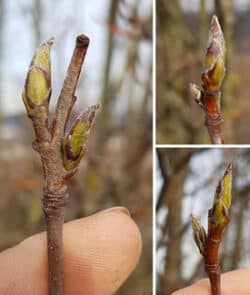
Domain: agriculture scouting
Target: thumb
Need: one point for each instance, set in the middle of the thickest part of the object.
(100, 252)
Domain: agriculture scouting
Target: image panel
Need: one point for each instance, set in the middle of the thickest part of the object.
(202, 66)
(202, 220)
(114, 256)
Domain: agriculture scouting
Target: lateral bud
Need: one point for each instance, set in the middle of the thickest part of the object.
(196, 93)
(37, 89)
(74, 144)
(199, 235)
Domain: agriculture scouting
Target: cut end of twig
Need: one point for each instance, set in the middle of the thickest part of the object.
(82, 41)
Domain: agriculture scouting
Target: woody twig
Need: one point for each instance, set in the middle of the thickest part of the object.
(218, 218)
(208, 96)
(60, 150)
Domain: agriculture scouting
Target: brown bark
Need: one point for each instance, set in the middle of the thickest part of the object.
(174, 167)
(48, 143)
(173, 73)
(107, 94)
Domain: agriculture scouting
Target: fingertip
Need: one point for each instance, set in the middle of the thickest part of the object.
(233, 282)
(115, 243)
(201, 287)
(100, 252)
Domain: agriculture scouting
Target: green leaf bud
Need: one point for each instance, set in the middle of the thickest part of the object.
(37, 88)
(74, 144)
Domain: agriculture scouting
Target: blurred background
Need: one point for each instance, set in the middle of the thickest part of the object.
(117, 74)
(186, 180)
(182, 34)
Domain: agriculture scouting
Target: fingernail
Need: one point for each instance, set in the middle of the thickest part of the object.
(113, 210)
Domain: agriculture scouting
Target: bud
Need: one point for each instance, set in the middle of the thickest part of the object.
(37, 88)
(199, 235)
(216, 44)
(222, 200)
(215, 58)
(196, 92)
(74, 145)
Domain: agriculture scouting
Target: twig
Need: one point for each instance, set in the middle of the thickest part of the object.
(218, 219)
(60, 152)
(209, 95)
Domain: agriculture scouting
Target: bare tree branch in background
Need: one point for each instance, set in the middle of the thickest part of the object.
(226, 15)
(174, 164)
(173, 69)
(36, 20)
(107, 94)
(2, 10)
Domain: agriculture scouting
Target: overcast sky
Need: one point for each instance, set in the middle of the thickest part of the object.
(64, 20)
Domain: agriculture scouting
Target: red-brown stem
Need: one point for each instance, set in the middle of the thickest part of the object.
(213, 120)
(208, 97)
(213, 124)
(218, 218)
(212, 266)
